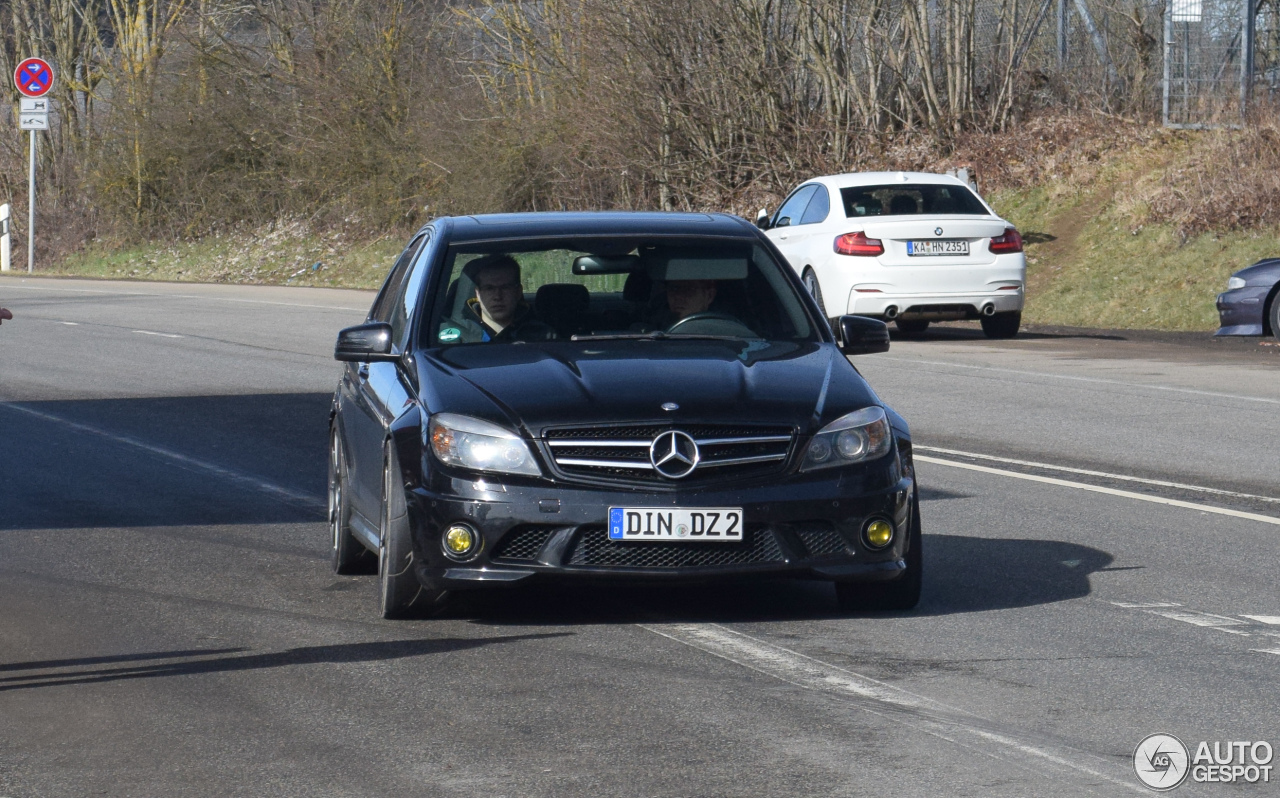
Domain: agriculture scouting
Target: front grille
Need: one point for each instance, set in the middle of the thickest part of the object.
(820, 538)
(522, 543)
(622, 453)
(594, 547)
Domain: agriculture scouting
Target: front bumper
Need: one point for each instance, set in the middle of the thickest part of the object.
(804, 526)
(1240, 312)
(934, 307)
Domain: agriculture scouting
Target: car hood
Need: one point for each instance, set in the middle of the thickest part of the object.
(535, 386)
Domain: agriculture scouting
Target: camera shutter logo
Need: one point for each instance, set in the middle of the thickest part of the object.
(1161, 762)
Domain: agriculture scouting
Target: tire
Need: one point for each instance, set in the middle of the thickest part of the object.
(399, 591)
(347, 554)
(912, 327)
(1274, 313)
(902, 593)
(814, 288)
(1002, 325)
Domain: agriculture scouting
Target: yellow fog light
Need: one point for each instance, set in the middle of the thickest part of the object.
(878, 534)
(459, 540)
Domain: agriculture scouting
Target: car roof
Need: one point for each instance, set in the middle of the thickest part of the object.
(569, 224)
(852, 179)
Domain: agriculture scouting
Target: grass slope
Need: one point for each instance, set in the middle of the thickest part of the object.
(1098, 255)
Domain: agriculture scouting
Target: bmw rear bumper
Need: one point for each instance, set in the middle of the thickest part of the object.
(934, 307)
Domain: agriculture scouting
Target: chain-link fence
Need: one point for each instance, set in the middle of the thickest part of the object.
(1208, 60)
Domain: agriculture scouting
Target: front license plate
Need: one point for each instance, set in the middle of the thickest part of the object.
(941, 246)
(700, 525)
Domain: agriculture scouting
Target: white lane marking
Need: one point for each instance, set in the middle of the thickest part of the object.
(70, 323)
(806, 672)
(1273, 620)
(1265, 650)
(184, 296)
(1142, 605)
(1205, 619)
(1204, 508)
(162, 335)
(244, 480)
(1086, 472)
(1097, 380)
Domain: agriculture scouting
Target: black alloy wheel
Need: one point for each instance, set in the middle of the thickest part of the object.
(1274, 313)
(348, 556)
(811, 285)
(912, 326)
(399, 590)
(902, 593)
(1002, 325)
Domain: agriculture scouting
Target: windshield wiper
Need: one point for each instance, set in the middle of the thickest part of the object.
(655, 335)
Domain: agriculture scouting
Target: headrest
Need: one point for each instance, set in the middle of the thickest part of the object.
(902, 204)
(559, 300)
(638, 288)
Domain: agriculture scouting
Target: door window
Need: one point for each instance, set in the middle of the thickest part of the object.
(818, 208)
(793, 208)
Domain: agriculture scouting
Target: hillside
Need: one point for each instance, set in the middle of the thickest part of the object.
(1123, 230)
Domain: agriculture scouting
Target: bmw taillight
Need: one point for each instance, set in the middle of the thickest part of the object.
(859, 244)
(1011, 241)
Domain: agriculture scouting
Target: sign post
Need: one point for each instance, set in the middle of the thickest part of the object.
(34, 79)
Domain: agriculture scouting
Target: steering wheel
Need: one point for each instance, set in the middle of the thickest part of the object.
(709, 322)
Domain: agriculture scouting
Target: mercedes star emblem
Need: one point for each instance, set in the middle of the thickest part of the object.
(937, 231)
(674, 454)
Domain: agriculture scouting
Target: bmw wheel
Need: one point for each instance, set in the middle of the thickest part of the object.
(1275, 316)
(811, 285)
(1002, 325)
(347, 555)
(902, 593)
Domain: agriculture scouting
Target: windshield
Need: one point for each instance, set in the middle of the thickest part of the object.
(532, 291)
(905, 199)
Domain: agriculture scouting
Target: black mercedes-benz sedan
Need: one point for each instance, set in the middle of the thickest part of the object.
(613, 396)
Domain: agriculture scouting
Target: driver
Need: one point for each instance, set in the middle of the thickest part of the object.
(687, 297)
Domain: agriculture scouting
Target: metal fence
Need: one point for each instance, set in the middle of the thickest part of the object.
(1208, 62)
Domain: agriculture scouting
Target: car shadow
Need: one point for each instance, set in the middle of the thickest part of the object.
(971, 331)
(51, 673)
(173, 461)
(962, 575)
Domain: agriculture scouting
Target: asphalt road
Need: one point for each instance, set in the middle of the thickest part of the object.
(170, 626)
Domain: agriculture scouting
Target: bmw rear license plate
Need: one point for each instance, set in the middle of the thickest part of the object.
(941, 246)
(693, 525)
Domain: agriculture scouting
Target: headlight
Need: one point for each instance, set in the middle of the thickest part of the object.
(861, 435)
(1234, 283)
(479, 445)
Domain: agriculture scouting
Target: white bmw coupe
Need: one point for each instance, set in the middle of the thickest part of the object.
(907, 247)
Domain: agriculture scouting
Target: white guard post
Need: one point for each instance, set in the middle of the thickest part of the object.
(4, 238)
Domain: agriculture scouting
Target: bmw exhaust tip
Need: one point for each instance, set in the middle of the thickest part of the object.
(891, 312)
(989, 309)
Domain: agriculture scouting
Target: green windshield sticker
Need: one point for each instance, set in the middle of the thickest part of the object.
(450, 334)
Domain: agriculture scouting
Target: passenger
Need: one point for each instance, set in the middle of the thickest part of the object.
(498, 311)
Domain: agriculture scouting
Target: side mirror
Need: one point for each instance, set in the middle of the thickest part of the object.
(762, 219)
(859, 335)
(365, 343)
